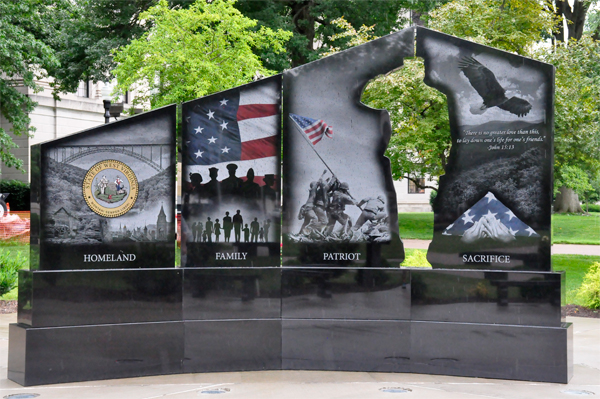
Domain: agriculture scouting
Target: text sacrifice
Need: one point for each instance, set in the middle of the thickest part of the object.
(486, 258)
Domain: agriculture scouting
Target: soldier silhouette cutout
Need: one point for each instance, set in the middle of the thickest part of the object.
(232, 184)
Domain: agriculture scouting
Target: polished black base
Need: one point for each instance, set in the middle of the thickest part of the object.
(91, 325)
(460, 349)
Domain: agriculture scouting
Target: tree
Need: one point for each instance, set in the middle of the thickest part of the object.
(189, 53)
(89, 31)
(312, 27)
(575, 16)
(576, 116)
(572, 183)
(421, 139)
(510, 25)
(25, 57)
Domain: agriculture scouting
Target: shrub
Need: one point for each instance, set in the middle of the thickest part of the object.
(588, 293)
(592, 208)
(9, 269)
(416, 259)
(19, 194)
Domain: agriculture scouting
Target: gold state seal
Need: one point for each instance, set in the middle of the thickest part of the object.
(110, 188)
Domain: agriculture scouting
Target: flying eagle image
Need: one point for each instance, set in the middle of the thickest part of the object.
(484, 82)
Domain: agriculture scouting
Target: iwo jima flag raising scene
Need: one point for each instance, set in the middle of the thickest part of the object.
(231, 167)
(323, 215)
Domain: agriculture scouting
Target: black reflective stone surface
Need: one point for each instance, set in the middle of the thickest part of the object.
(491, 297)
(148, 255)
(369, 294)
(352, 345)
(232, 345)
(99, 297)
(493, 207)
(492, 351)
(315, 224)
(231, 202)
(129, 226)
(55, 355)
(35, 200)
(231, 293)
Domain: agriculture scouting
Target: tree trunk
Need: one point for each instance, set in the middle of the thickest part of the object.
(304, 22)
(567, 201)
(417, 18)
(575, 18)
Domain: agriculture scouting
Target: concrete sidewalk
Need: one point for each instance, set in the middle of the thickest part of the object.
(324, 385)
(557, 249)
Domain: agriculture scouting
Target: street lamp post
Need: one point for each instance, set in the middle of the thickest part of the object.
(106, 91)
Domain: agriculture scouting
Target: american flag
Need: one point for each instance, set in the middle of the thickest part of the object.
(489, 205)
(314, 129)
(238, 126)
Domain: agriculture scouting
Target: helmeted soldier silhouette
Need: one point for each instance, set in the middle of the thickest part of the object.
(339, 199)
(232, 184)
(211, 189)
(250, 189)
(267, 190)
(373, 211)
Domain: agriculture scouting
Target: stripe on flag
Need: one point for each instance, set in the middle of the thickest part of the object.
(314, 129)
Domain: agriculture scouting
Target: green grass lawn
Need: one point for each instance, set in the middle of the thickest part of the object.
(576, 229)
(416, 225)
(566, 229)
(576, 267)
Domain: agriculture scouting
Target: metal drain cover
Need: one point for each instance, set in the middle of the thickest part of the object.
(214, 391)
(395, 390)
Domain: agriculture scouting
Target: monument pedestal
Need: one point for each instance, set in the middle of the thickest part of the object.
(249, 319)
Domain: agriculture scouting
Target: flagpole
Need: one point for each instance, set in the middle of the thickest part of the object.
(310, 144)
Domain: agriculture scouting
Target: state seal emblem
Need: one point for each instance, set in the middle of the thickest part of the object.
(110, 188)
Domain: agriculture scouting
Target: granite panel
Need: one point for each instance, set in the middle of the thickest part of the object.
(492, 210)
(367, 294)
(346, 345)
(67, 354)
(489, 297)
(339, 202)
(88, 297)
(232, 345)
(492, 351)
(231, 293)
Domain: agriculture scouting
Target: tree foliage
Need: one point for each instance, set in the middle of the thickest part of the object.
(311, 22)
(577, 107)
(25, 57)
(511, 25)
(189, 53)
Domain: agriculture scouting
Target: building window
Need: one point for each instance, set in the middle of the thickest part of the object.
(413, 189)
(84, 89)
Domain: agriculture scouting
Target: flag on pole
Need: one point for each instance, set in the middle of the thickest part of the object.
(314, 129)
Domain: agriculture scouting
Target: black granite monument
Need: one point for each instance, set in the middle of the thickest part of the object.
(103, 300)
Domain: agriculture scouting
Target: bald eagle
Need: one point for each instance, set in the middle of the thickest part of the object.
(484, 82)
